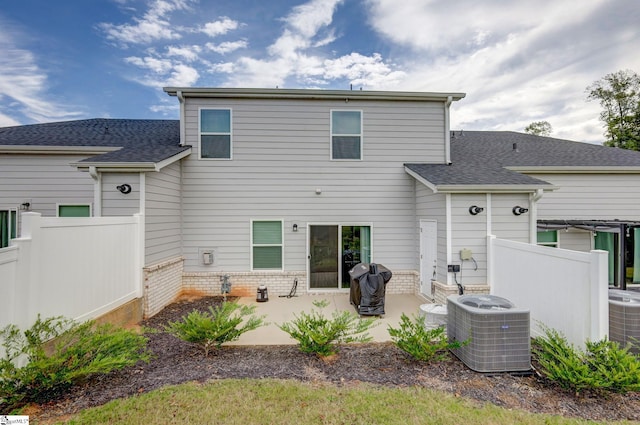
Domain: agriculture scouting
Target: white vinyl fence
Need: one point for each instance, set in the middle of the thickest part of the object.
(564, 290)
(79, 268)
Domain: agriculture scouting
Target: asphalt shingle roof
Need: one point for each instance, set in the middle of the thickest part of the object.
(483, 158)
(140, 140)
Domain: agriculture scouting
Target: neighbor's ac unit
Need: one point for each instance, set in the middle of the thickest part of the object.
(497, 332)
(624, 318)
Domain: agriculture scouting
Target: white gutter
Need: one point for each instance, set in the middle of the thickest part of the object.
(253, 93)
(533, 215)
(447, 131)
(183, 134)
(97, 191)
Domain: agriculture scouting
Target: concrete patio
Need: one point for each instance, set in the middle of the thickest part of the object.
(280, 310)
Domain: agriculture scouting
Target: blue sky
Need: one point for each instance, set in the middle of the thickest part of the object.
(519, 61)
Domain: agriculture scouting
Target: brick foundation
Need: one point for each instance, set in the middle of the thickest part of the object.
(165, 282)
(441, 291)
(162, 285)
(245, 284)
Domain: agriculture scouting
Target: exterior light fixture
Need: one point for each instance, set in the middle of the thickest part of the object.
(25, 206)
(518, 210)
(124, 188)
(475, 210)
(295, 227)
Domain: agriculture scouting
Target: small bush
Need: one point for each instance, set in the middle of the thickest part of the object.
(219, 325)
(318, 334)
(604, 366)
(75, 352)
(422, 344)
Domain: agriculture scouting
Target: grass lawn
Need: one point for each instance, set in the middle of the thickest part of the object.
(249, 401)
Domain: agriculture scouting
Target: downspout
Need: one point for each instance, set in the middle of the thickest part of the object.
(97, 191)
(533, 224)
(447, 131)
(182, 118)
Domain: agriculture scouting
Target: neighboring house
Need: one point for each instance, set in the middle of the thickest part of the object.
(272, 186)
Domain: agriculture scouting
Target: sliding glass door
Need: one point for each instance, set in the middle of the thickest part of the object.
(333, 250)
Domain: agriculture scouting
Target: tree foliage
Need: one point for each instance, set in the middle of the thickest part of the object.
(619, 96)
(539, 128)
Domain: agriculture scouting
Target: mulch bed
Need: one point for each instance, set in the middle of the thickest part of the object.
(384, 364)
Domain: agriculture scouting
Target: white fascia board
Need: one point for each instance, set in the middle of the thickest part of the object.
(513, 188)
(422, 180)
(310, 94)
(577, 170)
(75, 150)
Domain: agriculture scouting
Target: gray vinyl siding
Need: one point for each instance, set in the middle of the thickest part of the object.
(470, 232)
(45, 180)
(281, 155)
(504, 224)
(591, 197)
(432, 206)
(163, 214)
(575, 240)
(115, 203)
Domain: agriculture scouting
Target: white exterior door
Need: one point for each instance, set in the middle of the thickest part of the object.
(428, 255)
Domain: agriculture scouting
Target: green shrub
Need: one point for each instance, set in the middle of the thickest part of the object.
(604, 366)
(75, 351)
(421, 343)
(219, 325)
(318, 334)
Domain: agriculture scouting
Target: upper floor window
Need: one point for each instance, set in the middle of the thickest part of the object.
(215, 133)
(346, 135)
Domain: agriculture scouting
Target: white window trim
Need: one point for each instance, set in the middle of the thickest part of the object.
(331, 134)
(252, 245)
(201, 133)
(74, 204)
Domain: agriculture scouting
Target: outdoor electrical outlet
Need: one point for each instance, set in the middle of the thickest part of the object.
(454, 268)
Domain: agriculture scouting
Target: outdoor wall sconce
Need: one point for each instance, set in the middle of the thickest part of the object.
(124, 188)
(518, 210)
(25, 206)
(475, 210)
(295, 227)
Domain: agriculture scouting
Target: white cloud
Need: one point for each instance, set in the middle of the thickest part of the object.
(188, 53)
(227, 46)
(294, 56)
(157, 66)
(151, 27)
(524, 62)
(24, 85)
(216, 28)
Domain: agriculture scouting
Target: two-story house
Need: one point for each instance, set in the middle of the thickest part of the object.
(276, 186)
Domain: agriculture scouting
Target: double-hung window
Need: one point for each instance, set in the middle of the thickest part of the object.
(266, 245)
(346, 134)
(215, 133)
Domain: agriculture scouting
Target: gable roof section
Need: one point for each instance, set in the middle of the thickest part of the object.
(537, 153)
(495, 160)
(113, 142)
